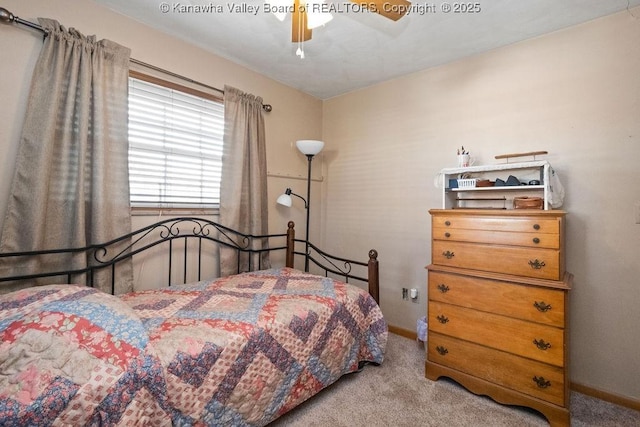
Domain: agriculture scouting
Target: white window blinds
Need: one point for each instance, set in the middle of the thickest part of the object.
(175, 147)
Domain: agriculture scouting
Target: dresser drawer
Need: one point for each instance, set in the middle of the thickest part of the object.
(534, 303)
(533, 240)
(498, 223)
(532, 340)
(527, 376)
(537, 263)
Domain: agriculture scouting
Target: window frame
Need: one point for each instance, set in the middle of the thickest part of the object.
(182, 210)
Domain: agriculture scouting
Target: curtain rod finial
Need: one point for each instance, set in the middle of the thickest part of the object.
(6, 16)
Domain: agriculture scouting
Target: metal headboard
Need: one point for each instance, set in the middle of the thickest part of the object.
(109, 254)
(248, 249)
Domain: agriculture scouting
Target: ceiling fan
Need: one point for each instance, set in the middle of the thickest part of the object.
(309, 14)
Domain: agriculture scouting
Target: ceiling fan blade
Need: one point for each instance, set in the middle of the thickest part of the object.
(299, 30)
(392, 9)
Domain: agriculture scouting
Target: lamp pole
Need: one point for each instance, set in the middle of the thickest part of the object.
(308, 147)
(306, 250)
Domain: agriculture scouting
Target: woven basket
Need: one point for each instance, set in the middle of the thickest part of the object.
(484, 183)
(527, 203)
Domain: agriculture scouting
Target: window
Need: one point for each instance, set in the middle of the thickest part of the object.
(175, 145)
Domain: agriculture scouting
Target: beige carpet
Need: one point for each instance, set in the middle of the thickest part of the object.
(397, 394)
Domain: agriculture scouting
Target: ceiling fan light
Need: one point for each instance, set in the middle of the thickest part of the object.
(317, 19)
(279, 8)
(317, 14)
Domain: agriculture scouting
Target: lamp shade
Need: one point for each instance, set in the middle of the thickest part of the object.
(309, 147)
(284, 200)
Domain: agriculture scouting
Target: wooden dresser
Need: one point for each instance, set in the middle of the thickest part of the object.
(497, 309)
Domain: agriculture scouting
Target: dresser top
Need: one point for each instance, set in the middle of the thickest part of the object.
(500, 212)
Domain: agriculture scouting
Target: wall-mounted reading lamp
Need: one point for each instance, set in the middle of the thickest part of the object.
(308, 147)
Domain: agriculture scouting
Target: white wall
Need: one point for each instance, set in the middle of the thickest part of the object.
(574, 93)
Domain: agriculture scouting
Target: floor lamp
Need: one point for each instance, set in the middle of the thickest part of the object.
(308, 147)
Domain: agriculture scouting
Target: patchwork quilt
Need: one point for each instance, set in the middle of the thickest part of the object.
(236, 351)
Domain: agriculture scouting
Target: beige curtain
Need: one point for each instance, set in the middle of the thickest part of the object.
(71, 183)
(243, 191)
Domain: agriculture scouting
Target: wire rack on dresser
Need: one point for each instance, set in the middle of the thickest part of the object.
(497, 306)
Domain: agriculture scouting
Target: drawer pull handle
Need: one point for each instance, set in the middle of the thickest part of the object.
(536, 226)
(536, 240)
(541, 306)
(448, 254)
(541, 382)
(443, 288)
(442, 319)
(447, 234)
(447, 223)
(536, 264)
(541, 344)
(443, 351)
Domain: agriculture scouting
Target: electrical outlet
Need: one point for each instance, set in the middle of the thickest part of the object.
(405, 293)
(414, 295)
(637, 211)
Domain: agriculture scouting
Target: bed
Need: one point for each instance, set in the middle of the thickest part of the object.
(239, 350)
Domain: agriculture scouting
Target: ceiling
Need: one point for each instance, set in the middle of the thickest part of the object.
(358, 48)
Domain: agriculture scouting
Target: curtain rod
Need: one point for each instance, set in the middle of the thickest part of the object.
(9, 18)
